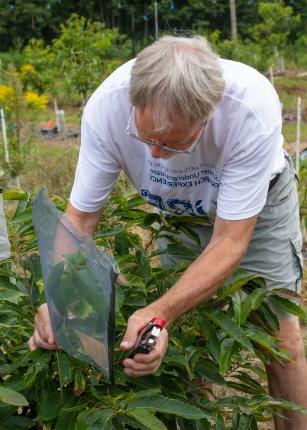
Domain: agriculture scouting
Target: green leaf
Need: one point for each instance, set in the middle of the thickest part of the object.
(23, 217)
(173, 249)
(225, 323)
(10, 295)
(228, 348)
(18, 423)
(95, 419)
(147, 419)
(219, 422)
(245, 422)
(167, 406)
(202, 425)
(256, 297)
(67, 418)
(237, 280)
(111, 232)
(50, 402)
(64, 368)
(236, 305)
(209, 370)
(287, 306)
(266, 341)
(79, 384)
(145, 393)
(248, 380)
(213, 343)
(11, 397)
(14, 194)
(267, 318)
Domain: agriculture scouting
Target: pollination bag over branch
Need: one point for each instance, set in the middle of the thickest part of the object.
(79, 285)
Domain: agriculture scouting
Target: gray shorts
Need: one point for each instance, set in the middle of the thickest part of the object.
(275, 248)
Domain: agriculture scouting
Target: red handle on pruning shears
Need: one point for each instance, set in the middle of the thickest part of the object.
(147, 337)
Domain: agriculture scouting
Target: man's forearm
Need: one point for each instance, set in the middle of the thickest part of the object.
(200, 280)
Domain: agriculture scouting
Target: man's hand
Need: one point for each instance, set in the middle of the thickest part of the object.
(42, 336)
(143, 364)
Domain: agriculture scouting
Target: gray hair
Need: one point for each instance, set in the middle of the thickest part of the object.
(177, 76)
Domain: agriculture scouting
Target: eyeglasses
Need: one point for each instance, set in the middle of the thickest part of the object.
(191, 148)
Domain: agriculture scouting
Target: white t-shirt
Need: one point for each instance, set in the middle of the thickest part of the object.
(229, 172)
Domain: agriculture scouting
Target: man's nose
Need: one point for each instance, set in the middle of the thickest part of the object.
(157, 151)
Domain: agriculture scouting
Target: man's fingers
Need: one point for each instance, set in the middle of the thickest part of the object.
(42, 336)
(139, 373)
(130, 336)
(137, 366)
(31, 344)
(41, 343)
(43, 324)
(147, 364)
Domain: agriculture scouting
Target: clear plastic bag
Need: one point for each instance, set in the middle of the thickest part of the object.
(79, 284)
(5, 248)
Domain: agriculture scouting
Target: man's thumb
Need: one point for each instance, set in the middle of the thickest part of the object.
(51, 338)
(129, 338)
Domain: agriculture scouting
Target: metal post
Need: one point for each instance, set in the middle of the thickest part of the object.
(156, 20)
(60, 121)
(55, 107)
(272, 76)
(5, 142)
(233, 19)
(298, 133)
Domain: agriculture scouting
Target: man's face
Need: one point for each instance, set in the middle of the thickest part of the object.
(179, 136)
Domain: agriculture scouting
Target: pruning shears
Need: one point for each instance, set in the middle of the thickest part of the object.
(147, 337)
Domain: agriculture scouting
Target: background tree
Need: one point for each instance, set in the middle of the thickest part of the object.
(277, 21)
(85, 53)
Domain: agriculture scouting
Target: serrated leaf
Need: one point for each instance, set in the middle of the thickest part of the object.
(236, 281)
(228, 348)
(287, 306)
(79, 384)
(256, 297)
(95, 419)
(11, 397)
(219, 422)
(266, 341)
(210, 371)
(225, 323)
(10, 295)
(67, 418)
(168, 406)
(202, 425)
(23, 217)
(63, 368)
(248, 380)
(245, 422)
(111, 232)
(213, 343)
(18, 423)
(179, 250)
(147, 419)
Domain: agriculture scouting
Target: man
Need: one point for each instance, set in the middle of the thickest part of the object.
(197, 135)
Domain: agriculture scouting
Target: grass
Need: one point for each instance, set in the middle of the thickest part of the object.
(50, 164)
(288, 89)
(289, 132)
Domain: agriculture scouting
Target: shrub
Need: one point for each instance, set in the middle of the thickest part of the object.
(218, 342)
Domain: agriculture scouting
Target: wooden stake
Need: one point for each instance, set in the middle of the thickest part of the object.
(233, 19)
(156, 20)
(298, 133)
(5, 142)
(55, 106)
(271, 76)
